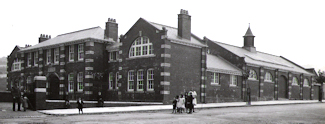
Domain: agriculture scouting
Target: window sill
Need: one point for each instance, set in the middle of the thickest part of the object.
(80, 60)
(215, 84)
(252, 79)
(136, 57)
(233, 85)
(112, 61)
(306, 86)
(295, 85)
(268, 82)
(70, 62)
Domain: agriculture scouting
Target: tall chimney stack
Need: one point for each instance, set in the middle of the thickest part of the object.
(43, 37)
(184, 25)
(111, 30)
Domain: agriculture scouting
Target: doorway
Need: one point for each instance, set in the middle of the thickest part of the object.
(53, 87)
(283, 87)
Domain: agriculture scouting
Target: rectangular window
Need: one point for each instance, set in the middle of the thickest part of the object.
(112, 56)
(150, 49)
(80, 80)
(233, 80)
(71, 53)
(140, 80)
(56, 55)
(36, 58)
(29, 59)
(137, 51)
(48, 56)
(110, 81)
(116, 79)
(81, 52)
(16, 65)
(215, 78)
(144, 50)
(150, 80)
(131, 80)
(71, 83)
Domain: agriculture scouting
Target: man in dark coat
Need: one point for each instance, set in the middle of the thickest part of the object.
(15, 91)
(190, 103)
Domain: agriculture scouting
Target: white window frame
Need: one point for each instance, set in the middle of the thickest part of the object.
(113, 56)
(141, 47)
(71, 53)
(233, 80)
(36, 58)
(80, 80)
(110, 81)
(56, 55)
(131, 80)
(268, 77)
(215, 78)
(252, 75)
(306, 83)
(295, 81)
(150, 79)
(29, 59)
(81, 50)
(71, 83)
(16, 65)
(140, 80)
(48, 56)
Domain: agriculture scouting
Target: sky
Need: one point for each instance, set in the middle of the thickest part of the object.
(293, 29)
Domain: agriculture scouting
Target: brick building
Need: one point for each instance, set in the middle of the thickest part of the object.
(154, 63)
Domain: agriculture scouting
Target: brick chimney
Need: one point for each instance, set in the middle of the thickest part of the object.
(184, 25)
(43, 37)
(111, 30)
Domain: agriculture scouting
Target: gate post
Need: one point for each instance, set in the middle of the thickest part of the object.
(40, 92)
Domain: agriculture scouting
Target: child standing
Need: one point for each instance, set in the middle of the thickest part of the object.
(174, 104)
(80, 105)
(24, 100)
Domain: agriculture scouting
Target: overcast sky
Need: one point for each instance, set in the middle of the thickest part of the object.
(293, 29)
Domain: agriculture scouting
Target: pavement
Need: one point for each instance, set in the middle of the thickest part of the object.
(102, 110)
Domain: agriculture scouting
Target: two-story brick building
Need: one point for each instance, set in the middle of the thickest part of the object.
(154, 63)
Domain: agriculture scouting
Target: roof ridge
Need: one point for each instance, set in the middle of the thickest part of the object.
(242, 47)
(162, 25)
(79, 30)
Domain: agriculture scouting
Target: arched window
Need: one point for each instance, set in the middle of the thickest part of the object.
(294, 81)
(268, 77)
(252, 75)
(306, 82)
(141, 47)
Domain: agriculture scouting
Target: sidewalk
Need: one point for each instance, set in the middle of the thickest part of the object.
(100, 110)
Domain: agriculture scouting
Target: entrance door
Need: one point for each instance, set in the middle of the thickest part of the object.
(283, 87)
(53, 87)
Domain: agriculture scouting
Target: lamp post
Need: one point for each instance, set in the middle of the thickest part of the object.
(320, 79)
(248, 90)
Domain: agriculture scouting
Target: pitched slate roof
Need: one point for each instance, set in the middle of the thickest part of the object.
(220, 65)
(264, 59)
(172, 35)
(94, 33)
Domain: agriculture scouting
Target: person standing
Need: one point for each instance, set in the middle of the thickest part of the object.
(194, 94)
(174, 104)
(15, 92)
(182, 102)
(190, 102)
(80, 105)
(24, 100)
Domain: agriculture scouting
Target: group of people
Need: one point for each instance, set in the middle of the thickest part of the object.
(19, 96)
(185, 103)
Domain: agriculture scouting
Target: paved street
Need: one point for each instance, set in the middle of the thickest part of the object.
(287, 114)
